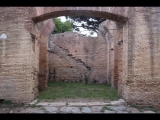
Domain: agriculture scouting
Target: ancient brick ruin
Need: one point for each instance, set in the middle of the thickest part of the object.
(70, 57)
(125, 54)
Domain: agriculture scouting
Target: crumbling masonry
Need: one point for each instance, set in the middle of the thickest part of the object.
(125, 54)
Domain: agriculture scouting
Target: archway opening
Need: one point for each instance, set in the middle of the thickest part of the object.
(107, 73)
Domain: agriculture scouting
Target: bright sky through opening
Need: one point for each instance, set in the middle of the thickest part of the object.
(82, 30)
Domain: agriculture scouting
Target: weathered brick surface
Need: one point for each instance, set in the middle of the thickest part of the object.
(111, 13)
(18, 64)
(116, 53)
(90, 50)
(46, 28)
(114, 37)
(141, 84)
(71, 56)
(100, 62)
(19, 54)
(139, 54)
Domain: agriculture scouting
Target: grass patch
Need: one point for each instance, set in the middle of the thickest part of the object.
(77, 90)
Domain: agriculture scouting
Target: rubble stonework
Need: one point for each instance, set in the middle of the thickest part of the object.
(133, 65)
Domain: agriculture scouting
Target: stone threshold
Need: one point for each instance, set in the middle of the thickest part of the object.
(71, 104)
(36, 103)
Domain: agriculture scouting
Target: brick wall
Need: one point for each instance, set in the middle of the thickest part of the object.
(140, 52)
(142, 84)
(71, 56)
(45, 29)
(18, 64)
(114, 41)
(92, 51)
(19, 54)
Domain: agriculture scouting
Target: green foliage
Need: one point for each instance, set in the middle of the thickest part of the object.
(89, 23)
(77, 90)
(61, 27)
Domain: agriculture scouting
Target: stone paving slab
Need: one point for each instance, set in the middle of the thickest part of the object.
(132, 110)
(28, 110)
(121, 112)
(87, 104)
(70, 110)
(86, 110)
(77, 104)
(81, 110)
(117, 108)
(51, 109)
(109, 111)
(76, 110)
(148, 111)
(96, 109)
(5, 110)
(113, 107)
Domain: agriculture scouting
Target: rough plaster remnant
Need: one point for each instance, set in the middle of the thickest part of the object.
(3, 36)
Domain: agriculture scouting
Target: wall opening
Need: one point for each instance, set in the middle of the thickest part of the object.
(67, 54)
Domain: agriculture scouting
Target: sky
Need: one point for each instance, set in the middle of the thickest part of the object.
(83, 31)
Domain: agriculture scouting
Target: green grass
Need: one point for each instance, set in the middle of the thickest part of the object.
(77, 90)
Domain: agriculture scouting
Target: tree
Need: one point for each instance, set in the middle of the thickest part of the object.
(89, 23)
(61, 27)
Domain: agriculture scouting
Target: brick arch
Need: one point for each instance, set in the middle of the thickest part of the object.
(134, 32)
(111, 13)
(45, 13)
